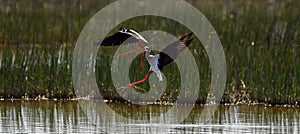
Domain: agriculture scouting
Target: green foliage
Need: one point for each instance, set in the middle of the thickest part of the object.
(260, 40)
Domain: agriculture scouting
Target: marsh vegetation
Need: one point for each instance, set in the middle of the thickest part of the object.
(260, 39)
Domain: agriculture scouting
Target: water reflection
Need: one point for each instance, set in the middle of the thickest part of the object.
(69, 117)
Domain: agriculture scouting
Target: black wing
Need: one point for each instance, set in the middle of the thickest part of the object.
(170, 53)
(118, 39)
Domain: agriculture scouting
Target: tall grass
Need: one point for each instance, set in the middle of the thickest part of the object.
(260, 40)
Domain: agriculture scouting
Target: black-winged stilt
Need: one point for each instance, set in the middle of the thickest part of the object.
(120, 37)
(123, 37)
(163, 58)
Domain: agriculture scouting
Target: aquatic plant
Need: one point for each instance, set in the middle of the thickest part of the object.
(260, 40)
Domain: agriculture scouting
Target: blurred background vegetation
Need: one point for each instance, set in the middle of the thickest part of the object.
(260, 40)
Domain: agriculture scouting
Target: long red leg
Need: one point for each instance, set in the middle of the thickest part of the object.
(143, 55)
(138, 82)
(141, 62)
(131, 51)
(134, 50)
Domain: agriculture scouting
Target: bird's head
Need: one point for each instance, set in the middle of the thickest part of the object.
(147, 49)
(133, 33)
(122, 29)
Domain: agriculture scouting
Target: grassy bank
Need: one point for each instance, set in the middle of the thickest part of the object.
(260, 39)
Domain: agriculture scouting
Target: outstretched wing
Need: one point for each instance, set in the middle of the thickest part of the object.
(137, 35)
(118, 39)
(170, 53)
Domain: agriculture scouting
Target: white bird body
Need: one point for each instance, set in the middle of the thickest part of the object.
(163, 58)
(153, 61)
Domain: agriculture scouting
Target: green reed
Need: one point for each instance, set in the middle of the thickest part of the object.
(260, 40)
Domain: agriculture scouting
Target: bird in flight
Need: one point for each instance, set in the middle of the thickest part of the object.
(166, 56)
(124, 37)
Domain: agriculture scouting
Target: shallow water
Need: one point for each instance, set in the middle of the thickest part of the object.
(94, 117)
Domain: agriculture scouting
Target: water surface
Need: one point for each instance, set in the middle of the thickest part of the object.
(69, 117)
